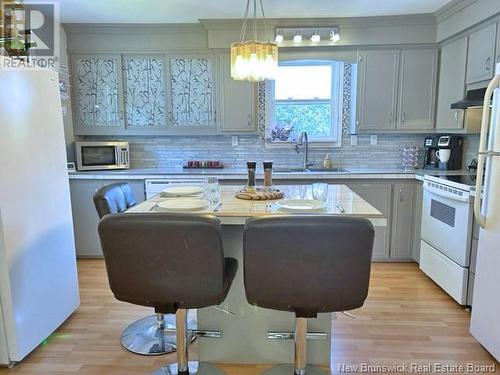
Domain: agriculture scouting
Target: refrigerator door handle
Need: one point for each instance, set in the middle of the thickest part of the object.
(483, 153)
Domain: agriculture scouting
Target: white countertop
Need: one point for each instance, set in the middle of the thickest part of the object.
(341, 201)
(241, 174)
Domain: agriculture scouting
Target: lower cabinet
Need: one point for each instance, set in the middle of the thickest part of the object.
(379, 196)
(402, 222)
(418, 195)
(396, 201)
(85, 219)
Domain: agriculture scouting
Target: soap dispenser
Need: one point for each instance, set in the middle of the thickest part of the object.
(327, 163)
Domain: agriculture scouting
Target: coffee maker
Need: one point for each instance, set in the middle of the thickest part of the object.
(443, 152)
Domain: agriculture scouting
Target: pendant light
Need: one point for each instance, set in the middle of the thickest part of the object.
(253, 60)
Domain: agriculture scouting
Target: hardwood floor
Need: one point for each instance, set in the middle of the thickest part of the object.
(406, 319)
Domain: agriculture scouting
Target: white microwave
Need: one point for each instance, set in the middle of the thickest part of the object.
(94, 156)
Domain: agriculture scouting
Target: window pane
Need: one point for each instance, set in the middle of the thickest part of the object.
(315, 119)
(303, 82)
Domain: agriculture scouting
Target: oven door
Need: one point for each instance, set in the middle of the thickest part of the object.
(446, 224)
(95, 157)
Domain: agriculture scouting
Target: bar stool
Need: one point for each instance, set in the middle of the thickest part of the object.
(152, 335)
(171, 262)
(306, 265)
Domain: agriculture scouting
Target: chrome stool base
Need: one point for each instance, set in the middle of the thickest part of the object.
(195, 367)
(290, 370)
(152, 335)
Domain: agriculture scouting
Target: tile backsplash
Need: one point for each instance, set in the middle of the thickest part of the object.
(174, 151)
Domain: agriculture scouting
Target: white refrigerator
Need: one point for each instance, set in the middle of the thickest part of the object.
(485, 321)
(38, 278)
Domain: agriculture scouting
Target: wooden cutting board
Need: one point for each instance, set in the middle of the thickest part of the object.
(260, 195)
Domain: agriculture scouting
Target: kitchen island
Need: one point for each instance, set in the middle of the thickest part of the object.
(250, 334)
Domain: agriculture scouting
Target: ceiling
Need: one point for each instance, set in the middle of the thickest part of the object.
(187, 11)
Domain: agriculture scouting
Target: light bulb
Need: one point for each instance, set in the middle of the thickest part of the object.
(241, 67)
(269, 67)
(334, 36)
(315, 38)
(297, 38)
(278, 38)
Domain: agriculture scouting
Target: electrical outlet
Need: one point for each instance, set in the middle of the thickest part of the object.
(354, 140)
(234, 140)
(373, 140)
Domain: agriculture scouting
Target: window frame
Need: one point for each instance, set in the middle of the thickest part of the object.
(336, 103)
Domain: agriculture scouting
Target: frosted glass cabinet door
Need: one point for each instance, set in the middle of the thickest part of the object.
(145, 98)
(193, 91)
(97, 92)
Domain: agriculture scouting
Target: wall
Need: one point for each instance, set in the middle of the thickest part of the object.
(460, 15)
(162, 152)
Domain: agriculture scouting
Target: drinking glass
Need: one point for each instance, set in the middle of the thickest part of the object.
(320, 192)
(213, 191)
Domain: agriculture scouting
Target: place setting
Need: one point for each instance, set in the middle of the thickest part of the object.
(190, 198)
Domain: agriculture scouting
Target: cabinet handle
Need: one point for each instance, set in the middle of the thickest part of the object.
(488, 64)
(390, 118)
(498, 58)
(456, 116)
(401, 195)
(403, 120)
(249, 123)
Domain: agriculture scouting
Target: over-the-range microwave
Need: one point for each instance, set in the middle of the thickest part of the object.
(94, 156)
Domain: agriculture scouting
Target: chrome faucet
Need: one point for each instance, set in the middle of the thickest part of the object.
(304, 142)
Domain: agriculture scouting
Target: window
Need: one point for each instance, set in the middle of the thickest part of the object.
(306, 96)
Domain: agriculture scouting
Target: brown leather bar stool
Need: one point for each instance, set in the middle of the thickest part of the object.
(152, 335)
(170, 262)
(306, 265)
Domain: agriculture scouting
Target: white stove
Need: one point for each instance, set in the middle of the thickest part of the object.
(446, 233)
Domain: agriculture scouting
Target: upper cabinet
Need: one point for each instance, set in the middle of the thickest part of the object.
(417, 89)
(193, 92)
(497, 49)
(377, 90)
(396, 90)
(451, 84)
(481, 54)
(97, 94)
(237, 100)
(145, 92)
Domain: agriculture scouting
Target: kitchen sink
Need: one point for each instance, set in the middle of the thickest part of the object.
(310, 170)
(332, 170)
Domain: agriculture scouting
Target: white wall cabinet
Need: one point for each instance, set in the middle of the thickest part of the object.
(417, 89)
(451, 84)
(97, 94)
(192, 91)
(377, 90)
(481, 54)
(85, 218)
(237, 101)
(497, 49)
(396, 90)
(145, 92)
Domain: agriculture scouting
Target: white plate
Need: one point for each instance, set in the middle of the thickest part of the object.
(183, 204)
(182, 191)
(301, 205)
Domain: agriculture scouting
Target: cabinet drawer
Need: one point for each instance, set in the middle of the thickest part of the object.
(446, 273)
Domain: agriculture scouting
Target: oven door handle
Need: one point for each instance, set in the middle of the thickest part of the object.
(444, 194)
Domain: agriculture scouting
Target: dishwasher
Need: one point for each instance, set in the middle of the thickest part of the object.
(157, 185)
